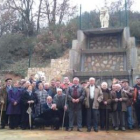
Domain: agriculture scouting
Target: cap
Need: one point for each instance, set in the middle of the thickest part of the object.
(125, 80)
(8, 79)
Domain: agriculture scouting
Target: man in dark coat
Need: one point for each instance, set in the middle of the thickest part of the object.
(13, 109)
(4, 101)
(137, 100)
(52, 90)
(76, 95)
(49, 117)
(60, 102)
(129, 91)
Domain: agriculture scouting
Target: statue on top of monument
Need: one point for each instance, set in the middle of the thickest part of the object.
(104, 17)
(40, 76)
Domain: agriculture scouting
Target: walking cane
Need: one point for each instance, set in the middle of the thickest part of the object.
(1, 113)
(106, 117)
(63, 119)
(64, 113)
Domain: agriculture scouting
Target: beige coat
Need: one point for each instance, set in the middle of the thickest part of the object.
(3, 97)
(98, 97)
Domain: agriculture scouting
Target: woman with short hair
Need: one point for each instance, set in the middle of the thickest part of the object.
(105, 107)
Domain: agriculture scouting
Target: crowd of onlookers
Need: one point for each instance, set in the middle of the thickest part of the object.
(31, 104)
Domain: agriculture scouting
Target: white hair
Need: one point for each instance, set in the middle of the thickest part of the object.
(66, 78)
(46, 84)
(59, 89)
(118, 85)
(91, 79)
(49, 97)
(28, 82)
(76, 78)
(104, 83)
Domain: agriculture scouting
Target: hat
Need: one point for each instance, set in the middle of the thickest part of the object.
(138, 78)
(8, 79)
(125, 80)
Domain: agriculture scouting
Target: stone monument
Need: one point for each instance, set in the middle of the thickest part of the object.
(103, 53)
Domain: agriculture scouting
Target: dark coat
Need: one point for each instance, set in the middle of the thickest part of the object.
(124, 100)
(14, 96)
(60, 101)
(52, 91)
(129, 91)
(25, 98)
(107, 98)
(81, 96)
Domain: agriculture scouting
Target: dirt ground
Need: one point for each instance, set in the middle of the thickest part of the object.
(48, 134)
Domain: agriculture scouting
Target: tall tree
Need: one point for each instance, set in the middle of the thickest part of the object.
(38, 16)
(57, 11)
(24, 9)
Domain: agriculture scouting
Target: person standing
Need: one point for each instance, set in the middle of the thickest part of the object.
(76, 95)
(14, 108)
(137, 100)
(105, 107)
(60, 102)
(52, 89)
(119, 99)
(4, 101)
(28, 99)
(41, 97)
(94, 96)
(129, 91)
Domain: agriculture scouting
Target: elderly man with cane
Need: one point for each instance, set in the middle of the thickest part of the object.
(60, 103)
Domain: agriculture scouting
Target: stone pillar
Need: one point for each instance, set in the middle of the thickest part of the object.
(74, 56)
(125, 37)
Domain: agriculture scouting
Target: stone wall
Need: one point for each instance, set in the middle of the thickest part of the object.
(97, 63)
(103, 42)
(57, 69)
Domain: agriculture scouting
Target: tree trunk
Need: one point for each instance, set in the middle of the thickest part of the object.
(38, 19)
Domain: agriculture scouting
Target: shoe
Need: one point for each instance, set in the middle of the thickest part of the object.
(67, 129)
(2, 127)
(130, 128)
(96, 130)
(116, 128)
(123, 128)
(89, 129)
(56, 128)
(70, 129)
(79, 129)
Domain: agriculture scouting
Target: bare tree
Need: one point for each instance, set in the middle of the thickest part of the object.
(56, 11)
(8, 19)
(38, 17)
(24, 8)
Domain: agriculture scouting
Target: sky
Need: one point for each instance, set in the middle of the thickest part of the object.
(88, 5)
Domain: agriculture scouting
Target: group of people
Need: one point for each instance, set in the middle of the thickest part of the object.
(34, 104)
